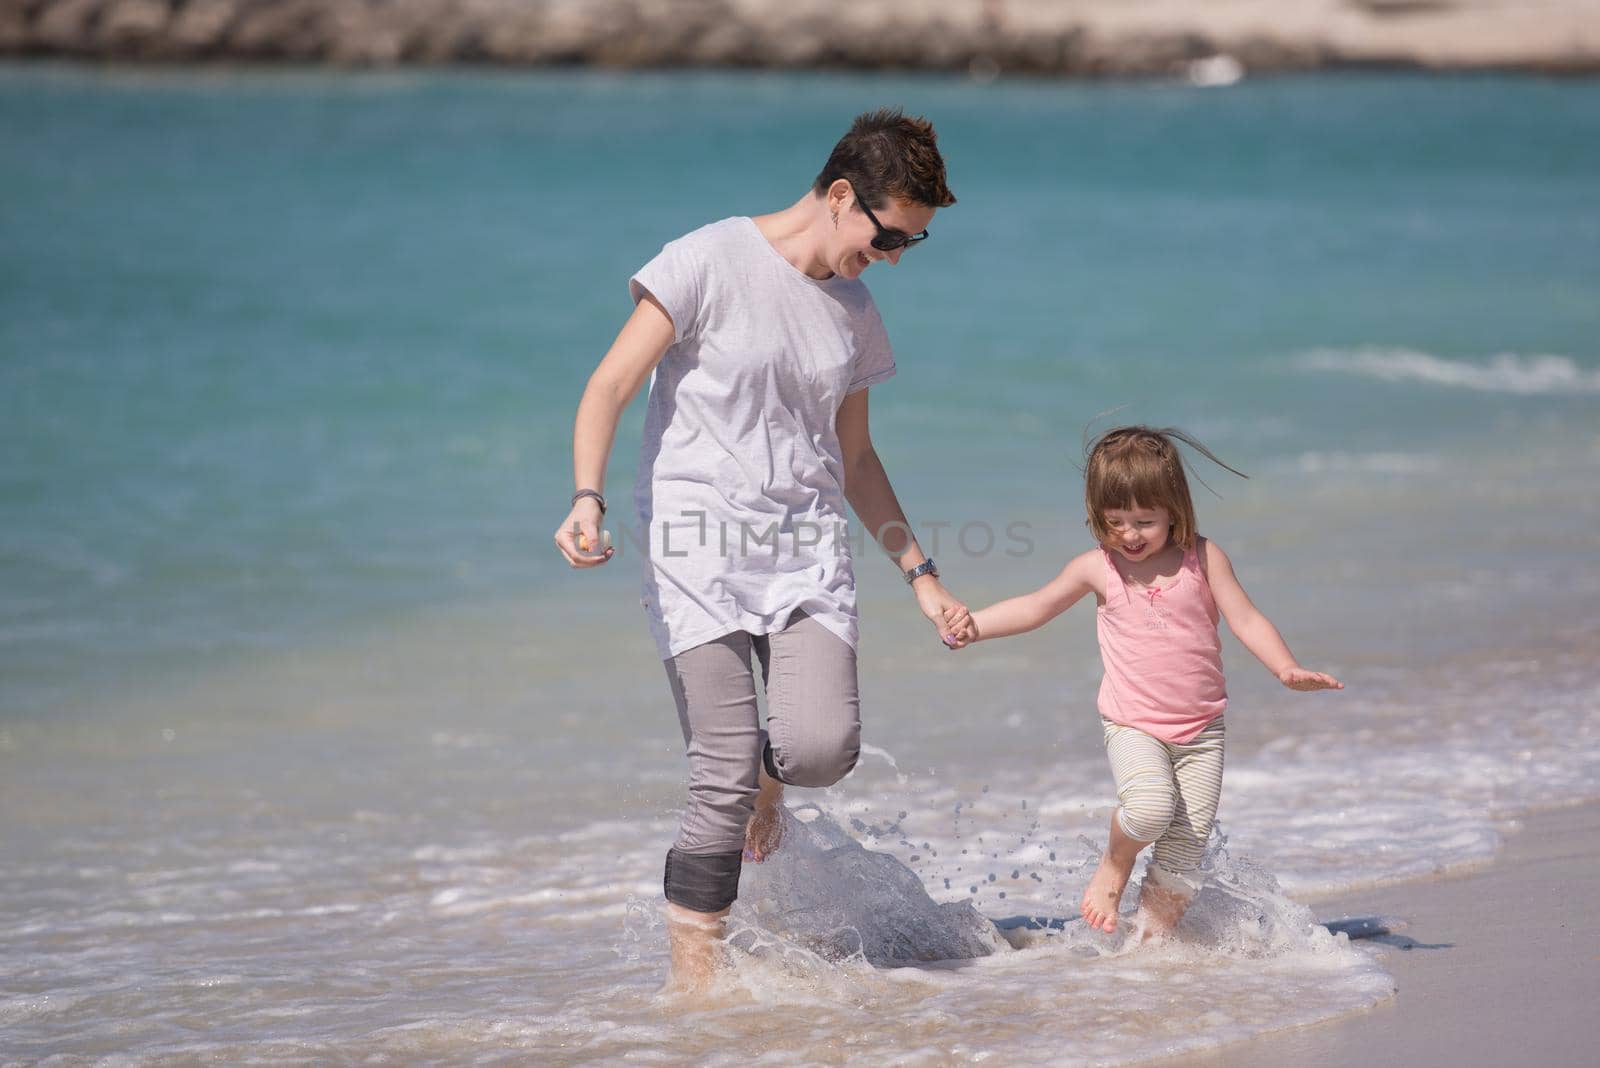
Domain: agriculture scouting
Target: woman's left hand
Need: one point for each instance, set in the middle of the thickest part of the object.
(947, 614)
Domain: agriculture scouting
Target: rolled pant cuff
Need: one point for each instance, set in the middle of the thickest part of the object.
(1184, 883)
(702, 882)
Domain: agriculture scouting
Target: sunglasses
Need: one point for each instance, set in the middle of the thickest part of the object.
(887, 240)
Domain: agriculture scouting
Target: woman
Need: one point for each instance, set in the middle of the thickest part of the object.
(763, 343)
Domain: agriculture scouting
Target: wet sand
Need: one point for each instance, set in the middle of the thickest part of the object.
(1499, 966)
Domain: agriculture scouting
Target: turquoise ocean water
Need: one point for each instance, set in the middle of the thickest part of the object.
(287, 369)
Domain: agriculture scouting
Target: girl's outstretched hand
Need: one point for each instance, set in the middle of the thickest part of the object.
(1298, 678)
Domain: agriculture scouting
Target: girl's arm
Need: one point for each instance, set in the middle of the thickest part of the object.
(643, 340)
(1255, 630)
(867, 488)
(1033, 610)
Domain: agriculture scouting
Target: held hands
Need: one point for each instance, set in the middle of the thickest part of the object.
(1298, 678)
(948, 615)
(961, 629)
(580, 538)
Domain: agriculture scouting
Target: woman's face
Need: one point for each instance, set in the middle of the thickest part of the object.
(850, 250)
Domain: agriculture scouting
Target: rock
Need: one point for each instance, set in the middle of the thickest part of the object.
(131, 27)
(824, 891)
(67, 26)
(279, 29)
(15, 32)
(200, 26)
(361, 35)
(1093, 38)
(448, 35)
(518, 36)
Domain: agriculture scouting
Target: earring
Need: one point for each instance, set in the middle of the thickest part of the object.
(835, 214)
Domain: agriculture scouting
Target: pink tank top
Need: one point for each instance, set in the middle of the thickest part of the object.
(1162, 653)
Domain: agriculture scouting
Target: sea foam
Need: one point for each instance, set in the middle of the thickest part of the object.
(1504, 373)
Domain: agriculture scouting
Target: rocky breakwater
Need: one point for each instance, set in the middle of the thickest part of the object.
(1217, 40)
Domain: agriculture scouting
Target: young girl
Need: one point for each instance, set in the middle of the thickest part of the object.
(1159, 587)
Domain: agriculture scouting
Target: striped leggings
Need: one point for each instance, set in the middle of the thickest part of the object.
(1169, 794)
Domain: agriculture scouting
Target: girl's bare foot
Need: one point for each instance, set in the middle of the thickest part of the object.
(1110, 879)
(765, 830)
(1160, 909)
(1104, 892)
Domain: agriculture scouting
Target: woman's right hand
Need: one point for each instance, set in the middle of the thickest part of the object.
(578, 537)
(948, 615)
(644, 340)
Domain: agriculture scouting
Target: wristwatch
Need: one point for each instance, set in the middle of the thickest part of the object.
(927, 567)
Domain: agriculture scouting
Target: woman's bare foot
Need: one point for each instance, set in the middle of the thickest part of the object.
(765, 830)
(697, 952)
(1110, 879)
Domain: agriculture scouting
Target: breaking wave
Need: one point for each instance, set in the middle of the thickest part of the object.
(1505, 373)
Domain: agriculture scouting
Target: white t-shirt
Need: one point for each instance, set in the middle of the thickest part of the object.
(740, 493)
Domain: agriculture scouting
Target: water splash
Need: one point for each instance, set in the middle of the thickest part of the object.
(1241, 912)
(641, 920)
(888, 758)
(825, 891)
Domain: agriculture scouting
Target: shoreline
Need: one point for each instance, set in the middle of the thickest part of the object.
(1212, 44)
(1498, 964)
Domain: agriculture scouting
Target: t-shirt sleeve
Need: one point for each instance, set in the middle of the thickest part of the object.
(874, 358)
(676, 278)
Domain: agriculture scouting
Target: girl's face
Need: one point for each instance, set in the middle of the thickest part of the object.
(1138, 533)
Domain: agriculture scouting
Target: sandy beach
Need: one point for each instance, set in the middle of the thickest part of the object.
(1495, 967)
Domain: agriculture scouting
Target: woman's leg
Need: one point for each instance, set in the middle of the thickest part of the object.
(1172, 877)
(714, 689)
(813, 704)
(1145, 786)
(813, 735)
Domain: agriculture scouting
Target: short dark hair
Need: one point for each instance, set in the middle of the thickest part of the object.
(889, 154)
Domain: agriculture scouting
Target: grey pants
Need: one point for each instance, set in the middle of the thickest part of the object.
(813, 738)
